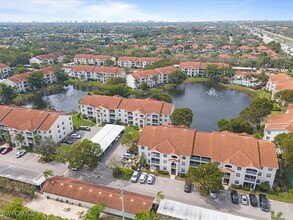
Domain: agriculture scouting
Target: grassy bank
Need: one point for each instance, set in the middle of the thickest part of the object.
(77, 121)
(195, 80)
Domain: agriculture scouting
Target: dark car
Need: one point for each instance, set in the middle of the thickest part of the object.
(84, 128)
(234, 197)
(2, 149)
(6, 150)
(263, 203)
(253, 200)
(67, 141)
(187, 187)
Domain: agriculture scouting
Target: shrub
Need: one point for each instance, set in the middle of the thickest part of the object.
(126, 171)
(163, 172)
(264, 186)
(234, 186)
(116, 172)
(133, 167)
(277, 189)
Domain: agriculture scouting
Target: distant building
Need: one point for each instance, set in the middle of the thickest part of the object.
(138, 112)
(96, 73)
(20, 82)
(96, 60)
(244, 160)
(198, 68)
(135, 62)
(278, 124)
(150, 77)
(28, 123)
(51, 58)
(5, 71)
(279, 82)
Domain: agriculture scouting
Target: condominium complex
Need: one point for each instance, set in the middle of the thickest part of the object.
(150, 77)
(279, 82)
(135, 62)
(51, 58)
(90, 59)
(138, 112)
(244, 160)
(198, 68)
(5, 71)
(96, 73)
(28, 123)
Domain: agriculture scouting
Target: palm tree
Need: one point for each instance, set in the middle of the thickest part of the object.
(278, 216)
(48, 173)
(19, 138)
(160, 196)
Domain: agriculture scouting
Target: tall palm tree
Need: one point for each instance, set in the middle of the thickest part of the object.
(48, 173)
(160, 196)
(278, 216)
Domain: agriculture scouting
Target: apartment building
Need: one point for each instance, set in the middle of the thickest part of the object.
(96, 73)
(135, 62)
(198, 68)
(150, 77)
(27, 123)
(138, 112)
(279, 82)
(278, 124)
(20, 82)
(89, 59)
(51, 58)
(244, 160)
(5, 71)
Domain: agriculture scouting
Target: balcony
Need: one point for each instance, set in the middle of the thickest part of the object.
(194, 157)
(205, 159)
(251, 172)
(155, 116)
(194, 164)
(249, 178)
(154, 154)
(155, 161)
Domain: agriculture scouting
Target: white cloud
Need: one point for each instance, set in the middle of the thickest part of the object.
(52, 10)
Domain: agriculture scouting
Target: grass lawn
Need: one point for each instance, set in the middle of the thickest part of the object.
(195, 80)
(77, 122)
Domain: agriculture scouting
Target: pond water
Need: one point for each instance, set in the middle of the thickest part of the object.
(208, 102)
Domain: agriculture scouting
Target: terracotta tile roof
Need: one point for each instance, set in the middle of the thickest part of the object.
(110, 197)
(280, 122)
(22, 77)
(154, 72)
(27, 119)
(97, 69)
(238, 149)
(286, 85)
(49, 56)
(224, 56)
(226, 47)
(200, 65)
(147, 59)
(249, 56)
(3, 66)
(244, 47)
(262, 48)
(145, 106)
(195, 46)
(131, 59)
(279, 77)
(91, 56)
(209, 46)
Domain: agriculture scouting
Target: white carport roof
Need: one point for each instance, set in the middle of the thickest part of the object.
(189, 212)
(107, 135)
(21, 175)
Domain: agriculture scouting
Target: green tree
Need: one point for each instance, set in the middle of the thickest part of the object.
(264, 186)
(285, 96)
(182, 116)
(223, 124)
(36, 80)
(7, 93)
(119, 89)
(20, 69)
(94, 212)
(48, 173)
(277, 216)
(275, 46)
(207, 178)
(236, 125)
(109, 63)
(60, 75)
(35, 65)
(177, 77)
(116, 80)
(159, 196)
(284, 142)
(47, 148)
(144, 86)
(212, 72)
(162, 97)
(146, 215)
(19, 138)
(62, 153)
(130, 137)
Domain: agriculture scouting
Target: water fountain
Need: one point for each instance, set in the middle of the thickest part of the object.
(212, 93)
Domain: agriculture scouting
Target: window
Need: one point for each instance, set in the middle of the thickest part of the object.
(270, 169)
(183, 157)
(183, 163)
(165, 155)
(164, 168)
(269, 132)
(164, 161)
(236, 182)
(63, 128)
(267, 138)
(62, 122)
(182, 170)
(228, 166)
(238, 174)
(269, 175)
(142, 147)
(258, 181)
(239, 168)
(259, 173)
(49, 131)
(58, 131)
(261, 167)
(59, 136)
(57, 126)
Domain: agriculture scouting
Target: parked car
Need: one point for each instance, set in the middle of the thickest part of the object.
(125, 160)
(20, 153)
(84, 128)
(127, 155)
(253, 200)
(187, 187)
(151, 179)
(6, 150)
(135, 176)
(143, 177)
(67, 141)
(244, 199)
(234, 197)
(2, 149)
(75, 136)
(263, 202)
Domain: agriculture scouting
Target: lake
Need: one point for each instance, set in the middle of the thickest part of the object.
(208, 102)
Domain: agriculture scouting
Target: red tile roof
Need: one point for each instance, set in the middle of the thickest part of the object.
(280, 122)
(86, 192)
(154, 72)
(3, 66)
(49, 56)
(91, 56)
(200, 65)
(131, 59)
(145, 106)
(97, 69)
(138, 59)
(227, 147)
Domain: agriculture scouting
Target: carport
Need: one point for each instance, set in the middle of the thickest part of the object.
(21, 175)
(188, 212)
(107, 135)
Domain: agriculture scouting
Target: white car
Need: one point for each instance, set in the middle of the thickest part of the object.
(20, 153)
(143, 177)
(244, 199)
(75, 136)
(135, 176)
(151, 179)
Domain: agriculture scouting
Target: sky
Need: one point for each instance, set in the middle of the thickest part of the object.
(143, 10)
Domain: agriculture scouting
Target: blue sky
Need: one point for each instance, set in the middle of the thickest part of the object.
(157, 10)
